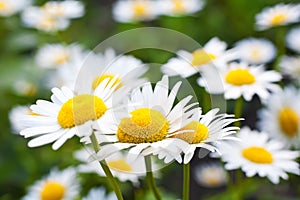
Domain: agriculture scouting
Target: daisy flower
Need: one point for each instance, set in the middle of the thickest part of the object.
(120, 166)
(255, 51)
(64, 9)
(293, 39)
(10, 7)
(280, 14)
(57, 185)
(290, 66)
(24, 88)
(134, 10)
(99, 193)
(210, 175)
(281, 116)
(68, 114)
(187, 64)
(179, 7)
(257, 154)
(241, 79)
(144, 127)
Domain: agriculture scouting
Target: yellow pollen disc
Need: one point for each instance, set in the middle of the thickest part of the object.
(178, 6)
(101, 78)
(200, 57)
(258, 155)
(239, 77)
(53, 191)
(119, 165)
(140, 9)
(288, 122)
(199, 133)
(47, 23)
(145, 125)
(255, 53)
(80, 109)
(3, 6)
(62, 58)
(278, 19)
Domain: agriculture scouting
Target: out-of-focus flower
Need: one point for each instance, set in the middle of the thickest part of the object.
(210, 175)
(280, 14)
(179, 7)
(135, 10)
(255, 51)
(99, 193)
(281, 117)
(187, 64)
(10, 7)
(25, 88)
(57, 185)
(293, 39)
(64, 9)
(15, 117)
(257, 154)
(291, 66)
(241, 79)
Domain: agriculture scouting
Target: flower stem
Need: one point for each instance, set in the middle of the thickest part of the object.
(150, 178)
(280, 44)
(186, 182)
(238, 110)
(106, 169)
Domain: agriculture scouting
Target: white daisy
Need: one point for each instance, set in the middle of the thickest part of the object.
(24, 88)
(57, 185)
(68, 114)
(10, 7)
(64, 9)
(132, 11)
(120, 166)
(281, 116)
(257, 154)
(145, 125)
(280, 14)
(210, 175)
(99, 193)
(187, 64)
(179, 7)
(255, 51)
(293, 39)
(290, 66)
(241, 79)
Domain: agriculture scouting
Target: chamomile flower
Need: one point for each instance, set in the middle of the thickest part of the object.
(187, 64)
(24, 88)
(201, 132)
(15, 116)
(68, 114)
(257, 154)
(144, 127)
(293, 39)
(134, 10)
(241, 79)
(255, 51)
(210, 175)
(64, 9)
(99, 193)
(179, 7)
(281, 116)
(10, 7)
(120, 166)
(290, 66)
(280, 14)
(57, 185)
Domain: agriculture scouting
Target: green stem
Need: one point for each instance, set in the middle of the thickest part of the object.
(106, 169)
(206, 101)
(280, 44)
(186, 182)
(238, 110)
(150, 178)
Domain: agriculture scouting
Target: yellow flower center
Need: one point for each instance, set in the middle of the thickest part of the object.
(145, 125)
(178, 6)
(288, 122)
(239, 77)
(53, 191)
(48, 23)
(3, 6)
(200, 57)
(278, 19)
(139, 9)
(258, 155)
(80, 109)
(62, 58)
(99, 79)
(199, 133)
(119, 165)
(255, 53)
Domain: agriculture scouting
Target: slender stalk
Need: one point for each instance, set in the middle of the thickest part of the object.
(280, 44)
(238, 110)
(106, 169)
(150, 178)
(186, 182)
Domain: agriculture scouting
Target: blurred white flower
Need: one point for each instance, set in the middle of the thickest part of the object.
(291, 66)
(16, 114)
(280, 14)
(179, 7)
(293, 39)
(64, 9)
(25, 88)
(99, 194)
(255, 51)
(10, 7)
